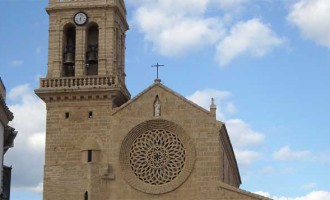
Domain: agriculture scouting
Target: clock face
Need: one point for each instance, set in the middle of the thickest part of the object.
(80, 18)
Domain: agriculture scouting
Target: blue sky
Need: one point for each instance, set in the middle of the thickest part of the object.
(266, 63)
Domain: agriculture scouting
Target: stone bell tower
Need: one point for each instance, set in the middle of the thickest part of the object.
(85, 82)
(87, 46)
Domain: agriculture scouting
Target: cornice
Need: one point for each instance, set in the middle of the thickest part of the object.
(5, 114)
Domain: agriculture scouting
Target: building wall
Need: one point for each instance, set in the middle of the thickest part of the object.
(2, 132)
(69, 176)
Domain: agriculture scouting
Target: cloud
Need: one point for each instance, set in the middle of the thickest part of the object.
(285, 153)
(246, 157)
(174, 30)
(189, 26)
(28, 152)
(16, 63)
(311, 17)
(39, 188)
(242, 135)
(252, 38)
(315, 195)
(224, 106)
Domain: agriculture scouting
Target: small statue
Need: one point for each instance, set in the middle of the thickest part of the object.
(157, 107)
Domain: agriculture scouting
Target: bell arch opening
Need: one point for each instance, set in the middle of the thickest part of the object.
(92, 49)
(69, 50)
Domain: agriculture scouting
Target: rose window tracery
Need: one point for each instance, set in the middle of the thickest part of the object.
(157, 157)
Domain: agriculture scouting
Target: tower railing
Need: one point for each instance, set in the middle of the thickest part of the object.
(77, 82)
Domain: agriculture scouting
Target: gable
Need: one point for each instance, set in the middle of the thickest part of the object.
(171, 101)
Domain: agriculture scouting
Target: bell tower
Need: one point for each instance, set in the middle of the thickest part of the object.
(86, 47)
(85, 83)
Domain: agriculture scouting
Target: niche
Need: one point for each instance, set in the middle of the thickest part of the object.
(91, 151)
(69, 49)
(92, 50)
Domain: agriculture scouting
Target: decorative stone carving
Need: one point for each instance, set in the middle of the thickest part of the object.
(157, 156)
(157, 107)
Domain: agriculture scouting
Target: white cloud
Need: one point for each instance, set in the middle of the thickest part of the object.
(28, 152)
(16, 63)
(312, 18)
(188, 26)
(285, 153)
(19, 91)
(39, 188)
(203, 98)
(174, 32)
(36, 141)
(242, 135)
(262, 193)
(315, 195)
(252, 38)
(246, 157)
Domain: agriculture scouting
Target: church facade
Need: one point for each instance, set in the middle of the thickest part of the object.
(101, 144)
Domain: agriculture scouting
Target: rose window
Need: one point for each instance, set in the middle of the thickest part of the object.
(157, 157)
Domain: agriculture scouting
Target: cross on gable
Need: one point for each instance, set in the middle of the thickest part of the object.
(157, 66)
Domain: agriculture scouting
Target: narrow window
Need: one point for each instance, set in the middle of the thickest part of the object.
(86, 196)
(90, 114)
(67, 115)
(89, 156)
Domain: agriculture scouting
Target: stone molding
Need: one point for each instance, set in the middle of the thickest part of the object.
(224, 138)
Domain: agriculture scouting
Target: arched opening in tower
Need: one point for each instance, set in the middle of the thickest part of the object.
(92, 50)
(69, 50)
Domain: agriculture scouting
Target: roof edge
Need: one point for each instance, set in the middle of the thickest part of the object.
(157, 83)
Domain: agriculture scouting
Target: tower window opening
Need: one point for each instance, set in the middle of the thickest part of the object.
(86, 196)
(67, 115)
(92, 49)
(90, 114)
(89, 156)
(69, 48)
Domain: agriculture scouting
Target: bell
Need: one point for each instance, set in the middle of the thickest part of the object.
(70, 70)
(69, 58)
(92, 57)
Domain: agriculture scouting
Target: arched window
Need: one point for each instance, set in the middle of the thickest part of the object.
(69, 50)
(92, 47)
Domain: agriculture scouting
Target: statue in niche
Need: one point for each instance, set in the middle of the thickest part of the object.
(157, 107)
